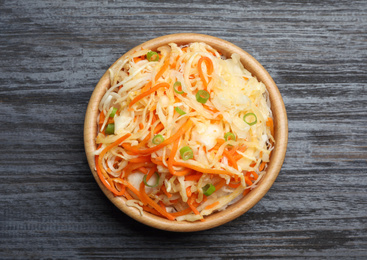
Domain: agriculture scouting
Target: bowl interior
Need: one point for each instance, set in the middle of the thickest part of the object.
(276, 160)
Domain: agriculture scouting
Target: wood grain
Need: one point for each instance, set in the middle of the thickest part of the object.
(52, 54)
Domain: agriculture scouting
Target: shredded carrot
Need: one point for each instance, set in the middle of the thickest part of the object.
(200, 169)
(245, 192)
(163, 68)
(248, 181)
(180, 132)
(193, 177)
(140, 159)
(182, 212)
(102, 154)
(146, 87)
(157, 161)
(127, 195)
(209, 66)
(143, 170)
(141, 126)
(188, 191)
(163, 188)
(212, 205)
(172, 156)
(230, 159)
(133, 166)
(252, 176)
(220, 184)
(270, 124)
(233, 185)
(147, 93)
(153, 211)
(101, 119)
(156, 206)
(262, 166)
(191, 205)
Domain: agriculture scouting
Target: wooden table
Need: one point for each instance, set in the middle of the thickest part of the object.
(52, 54)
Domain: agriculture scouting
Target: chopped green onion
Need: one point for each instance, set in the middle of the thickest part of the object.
(208, 189)
(157, 139)
(202, 96)
(110, 129)
(180, 111)
(245, 118)
(152, 56)
(113, 112)
(186, 153)
(229, 136)
(145, 180)
(176, 85)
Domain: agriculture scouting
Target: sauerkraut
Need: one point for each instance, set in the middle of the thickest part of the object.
(183, 131)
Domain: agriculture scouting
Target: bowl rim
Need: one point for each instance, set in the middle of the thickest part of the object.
(232, 211)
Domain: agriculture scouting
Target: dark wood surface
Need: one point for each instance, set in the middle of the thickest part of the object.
(52, 54)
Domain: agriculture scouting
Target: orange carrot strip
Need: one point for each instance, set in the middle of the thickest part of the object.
(193, 177)
(212, 205)
(140, 159)
(141, 126)
(142, 187)
(230, 159)
(147, 93)
(172, 156)
(270, 124)
(203, 170)
(163, 68)
(169, 140)
(157, 162)
(143, 170)
(253, 174)
(191, 205)
(163, 188)
(182, 212)
(156, 206)
(248, 181)
(233, 185)
(159, 127)
(101, 119)
(133, 166)
(127, 195)
(262, 166)
(153, 211)
(209, 66)
(188, 191)
(220, 184)
(146, 87)
(245, 192)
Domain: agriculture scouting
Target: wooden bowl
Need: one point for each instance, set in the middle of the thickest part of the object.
(276, 160)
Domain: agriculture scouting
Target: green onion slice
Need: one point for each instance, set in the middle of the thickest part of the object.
(186, 153)
(249, 116)
(113, 112)
(230, 136)
(180, 111)
(145, 180)
(152, 56)
(208, 189)
(158, 139)
(176, 85)
(202, 96)
(110, 129)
